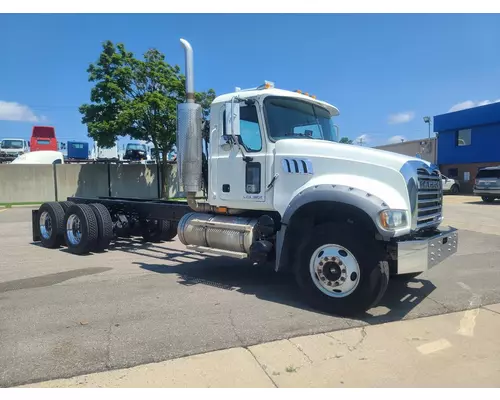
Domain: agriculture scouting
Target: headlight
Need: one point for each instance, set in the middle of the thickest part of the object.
(393, 219)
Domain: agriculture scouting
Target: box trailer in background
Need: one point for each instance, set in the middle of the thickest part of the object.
(103, 153)
(78, 150)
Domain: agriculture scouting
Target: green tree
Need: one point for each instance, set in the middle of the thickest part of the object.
(135, 97)
(345, 140)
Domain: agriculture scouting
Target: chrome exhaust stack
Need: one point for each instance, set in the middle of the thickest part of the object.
(189, 139)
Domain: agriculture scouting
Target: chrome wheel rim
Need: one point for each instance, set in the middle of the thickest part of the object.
(73, 229)
(334, 270)
(45, 225)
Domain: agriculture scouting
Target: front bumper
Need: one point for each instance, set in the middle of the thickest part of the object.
(486, 191)
(423, 253)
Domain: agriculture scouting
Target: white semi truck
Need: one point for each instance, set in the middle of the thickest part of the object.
(278, 189)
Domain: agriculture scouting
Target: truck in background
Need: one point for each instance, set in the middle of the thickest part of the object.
(11, 148)
(77, 150)
(136, 152)
(43, 138)
(104, 153)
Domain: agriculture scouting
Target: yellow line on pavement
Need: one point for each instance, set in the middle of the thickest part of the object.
(3, 209)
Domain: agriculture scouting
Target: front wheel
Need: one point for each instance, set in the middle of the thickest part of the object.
(454, 189)
(340, 270)
(488, 199)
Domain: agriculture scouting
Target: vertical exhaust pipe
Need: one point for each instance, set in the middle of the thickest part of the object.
(189, 139)
(188, 51)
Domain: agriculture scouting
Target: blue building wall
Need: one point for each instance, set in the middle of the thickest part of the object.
(484, 123)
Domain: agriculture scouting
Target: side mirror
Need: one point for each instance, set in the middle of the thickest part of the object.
(232, 120)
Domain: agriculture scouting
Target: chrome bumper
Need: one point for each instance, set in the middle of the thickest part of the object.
(423, 253)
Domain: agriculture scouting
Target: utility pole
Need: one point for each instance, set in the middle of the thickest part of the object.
(427, 120)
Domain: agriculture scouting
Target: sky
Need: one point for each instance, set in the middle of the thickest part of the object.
(384, 72)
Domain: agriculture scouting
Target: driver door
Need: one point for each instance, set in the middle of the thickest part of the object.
(241, 181)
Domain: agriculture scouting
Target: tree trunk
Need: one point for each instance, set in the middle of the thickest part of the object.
(161, 168)
(164, 182)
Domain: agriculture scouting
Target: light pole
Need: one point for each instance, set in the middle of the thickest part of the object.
(427, 120)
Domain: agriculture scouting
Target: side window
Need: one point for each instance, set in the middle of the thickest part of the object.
(250, 134)
(463, 137)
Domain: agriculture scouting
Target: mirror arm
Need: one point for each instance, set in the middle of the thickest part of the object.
(236, 141)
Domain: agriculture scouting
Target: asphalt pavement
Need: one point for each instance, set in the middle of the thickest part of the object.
(62, 315)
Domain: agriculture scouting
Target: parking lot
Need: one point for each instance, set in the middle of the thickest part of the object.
(62, 315)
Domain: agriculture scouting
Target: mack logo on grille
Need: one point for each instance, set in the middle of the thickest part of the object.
(425, 184)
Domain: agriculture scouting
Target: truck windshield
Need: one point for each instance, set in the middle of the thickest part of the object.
(291, 118)
(11, 144)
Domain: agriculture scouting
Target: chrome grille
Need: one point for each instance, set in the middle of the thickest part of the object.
(430, 198)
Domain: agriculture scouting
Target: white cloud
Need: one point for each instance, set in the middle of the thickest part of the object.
(362, 139)
(12, 111)
(396, 139)
(401, 118)
(470, 104)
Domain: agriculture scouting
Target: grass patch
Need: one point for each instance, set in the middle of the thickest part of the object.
(290, 369)
(10, 205)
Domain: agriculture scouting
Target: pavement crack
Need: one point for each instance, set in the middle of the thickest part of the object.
(440, 304)
(299, 348)
(261, 367)
(358, 343)
(233, 325)
(489, 309)
(110, 336)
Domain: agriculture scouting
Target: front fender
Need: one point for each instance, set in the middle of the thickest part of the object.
(365, 194)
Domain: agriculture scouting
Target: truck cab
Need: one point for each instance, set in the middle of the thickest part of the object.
(43, 138)
(10, 149)
(136, 152)
(279, 187)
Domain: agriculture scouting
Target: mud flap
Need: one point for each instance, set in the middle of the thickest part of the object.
(34, 225)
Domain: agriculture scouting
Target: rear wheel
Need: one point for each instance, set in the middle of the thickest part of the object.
(340, 271)
(488, 199)
(169, 230)
(153, 230)
(104, 227)
(51, 224)
(81, 229)
(454, 189)
(66, 204)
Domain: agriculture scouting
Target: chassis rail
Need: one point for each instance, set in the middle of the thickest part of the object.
(142, 208)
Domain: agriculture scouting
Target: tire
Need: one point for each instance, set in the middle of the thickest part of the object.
(454, 189)
(350, 247)
(104, 227)
(154, 230)
(169, 230)
(51, 225)
(65, 205)
(488, 199)
(83, 238)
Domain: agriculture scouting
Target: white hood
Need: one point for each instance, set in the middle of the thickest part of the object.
(320, 148)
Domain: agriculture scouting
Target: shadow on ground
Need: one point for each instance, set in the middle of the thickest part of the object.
(483, 203)
(402, 296)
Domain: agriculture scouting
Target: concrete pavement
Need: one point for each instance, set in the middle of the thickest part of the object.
(451, 350)
(63, 315)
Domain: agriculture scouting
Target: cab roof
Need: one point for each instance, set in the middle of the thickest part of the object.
(245, 94)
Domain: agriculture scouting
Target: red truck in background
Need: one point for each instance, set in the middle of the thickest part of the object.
(43, 138)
